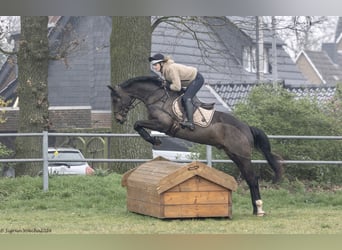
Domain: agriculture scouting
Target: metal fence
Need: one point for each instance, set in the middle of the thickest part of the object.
(209, 160)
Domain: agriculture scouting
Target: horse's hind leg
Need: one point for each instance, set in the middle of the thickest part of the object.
(256, 198)
(251, 178)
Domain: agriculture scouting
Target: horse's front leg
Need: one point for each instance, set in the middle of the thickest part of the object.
(140, 126)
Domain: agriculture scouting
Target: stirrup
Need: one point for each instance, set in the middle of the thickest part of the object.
(188, 125)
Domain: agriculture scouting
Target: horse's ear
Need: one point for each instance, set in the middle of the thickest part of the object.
(113, 91)
(111, 88)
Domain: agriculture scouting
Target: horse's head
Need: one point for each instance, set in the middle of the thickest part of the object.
(121, 103)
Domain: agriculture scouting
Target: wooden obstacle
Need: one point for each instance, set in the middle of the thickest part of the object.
(165, 189)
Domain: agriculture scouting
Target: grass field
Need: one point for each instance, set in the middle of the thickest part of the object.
(97, 205)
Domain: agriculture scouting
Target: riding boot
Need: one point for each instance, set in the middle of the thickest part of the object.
(189, 110)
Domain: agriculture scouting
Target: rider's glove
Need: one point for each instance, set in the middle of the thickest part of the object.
(164, 84)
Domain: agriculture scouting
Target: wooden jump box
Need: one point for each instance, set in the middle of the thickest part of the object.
(165, 189)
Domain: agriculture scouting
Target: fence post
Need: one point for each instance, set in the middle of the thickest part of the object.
(209, 155)
(45, 162)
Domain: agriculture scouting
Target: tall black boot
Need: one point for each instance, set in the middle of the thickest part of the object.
(189, 111)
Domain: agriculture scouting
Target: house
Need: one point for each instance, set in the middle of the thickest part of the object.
(224, 53)
(339, 44)
(235, 93)
(228, 60)
(79, 83)
(319, 68)
(227, 52)
(78, 95)
(8, 78)
(324, 66)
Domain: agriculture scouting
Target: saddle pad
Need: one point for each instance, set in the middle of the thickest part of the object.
(202, 117)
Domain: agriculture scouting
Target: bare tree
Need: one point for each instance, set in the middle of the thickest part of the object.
(8, 24)
(33, 59)
(130, 48)
(192, 26)
(304, 32)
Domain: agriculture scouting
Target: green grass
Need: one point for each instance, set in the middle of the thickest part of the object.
(95, 204)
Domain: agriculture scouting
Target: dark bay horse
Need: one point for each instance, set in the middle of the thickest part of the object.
(225, 132)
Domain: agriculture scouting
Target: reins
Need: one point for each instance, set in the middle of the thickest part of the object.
(126, 109)
(133, 104)
(161, 98)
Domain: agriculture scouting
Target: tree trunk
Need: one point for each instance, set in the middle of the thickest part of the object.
(130, 48)
(32, 91)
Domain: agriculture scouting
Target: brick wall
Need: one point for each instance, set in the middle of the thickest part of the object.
(70, 117)
(11, 117)
(101, 119)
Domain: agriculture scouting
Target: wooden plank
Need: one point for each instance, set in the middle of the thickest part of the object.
(199, 169)
(193, 211)
(146, 195)
(141, 177)
(146, 208)
(188, 198)
(160, 158)
(166, 165)
(152, 172)
(174, 179)
(140, 184)
(126, 176)
(196, 183)
(158, 169)
(219, 177)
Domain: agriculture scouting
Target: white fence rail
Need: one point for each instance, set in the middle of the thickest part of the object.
(45, 136)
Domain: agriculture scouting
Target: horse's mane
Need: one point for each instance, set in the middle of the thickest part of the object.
(141, 79)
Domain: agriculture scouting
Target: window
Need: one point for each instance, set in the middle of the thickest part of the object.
(249, 62)
(249, 59)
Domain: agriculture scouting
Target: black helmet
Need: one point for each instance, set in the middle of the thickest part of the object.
(156, 58)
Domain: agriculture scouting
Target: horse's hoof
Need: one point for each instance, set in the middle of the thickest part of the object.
(261, 214)
(155, 141)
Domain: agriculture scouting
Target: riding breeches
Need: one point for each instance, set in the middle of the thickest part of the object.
(194, 87)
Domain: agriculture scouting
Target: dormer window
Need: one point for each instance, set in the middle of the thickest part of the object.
(249, 59)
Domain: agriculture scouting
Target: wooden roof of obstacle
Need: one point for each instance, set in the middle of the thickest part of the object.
(161, 174)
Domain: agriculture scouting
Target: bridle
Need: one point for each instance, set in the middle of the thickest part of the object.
(133, 102)
(126, 108)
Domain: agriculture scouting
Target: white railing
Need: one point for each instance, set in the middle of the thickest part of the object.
(45, 135)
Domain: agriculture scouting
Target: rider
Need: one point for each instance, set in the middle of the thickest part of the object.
(180, 76)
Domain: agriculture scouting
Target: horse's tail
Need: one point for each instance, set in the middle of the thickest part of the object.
(261, 142)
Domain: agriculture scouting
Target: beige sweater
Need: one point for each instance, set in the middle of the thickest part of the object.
(178, 74)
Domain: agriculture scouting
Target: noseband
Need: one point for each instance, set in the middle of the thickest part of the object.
(124, 110)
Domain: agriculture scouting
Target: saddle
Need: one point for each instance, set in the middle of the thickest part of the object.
(197, 103)
(203, 112)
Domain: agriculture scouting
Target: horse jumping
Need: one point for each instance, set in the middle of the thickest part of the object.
(225, 132)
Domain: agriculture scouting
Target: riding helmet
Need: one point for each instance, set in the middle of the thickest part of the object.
(156, 58)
